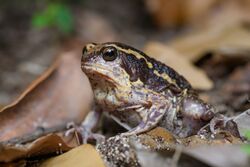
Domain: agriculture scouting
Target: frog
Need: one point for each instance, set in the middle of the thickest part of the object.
(140, 92)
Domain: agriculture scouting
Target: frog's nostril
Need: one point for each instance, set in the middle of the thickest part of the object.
(88, 48)
(84, 50)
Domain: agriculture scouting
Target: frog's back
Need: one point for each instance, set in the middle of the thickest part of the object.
(154, 74)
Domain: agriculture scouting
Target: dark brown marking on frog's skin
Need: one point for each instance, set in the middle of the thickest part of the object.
(141, 91)
(180, 80)
(138, 69)
(132, 61)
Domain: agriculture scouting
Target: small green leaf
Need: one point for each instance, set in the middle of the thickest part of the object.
(55, 15)
(64, 20)
(247, 134)
(39, 21)
(246, 149)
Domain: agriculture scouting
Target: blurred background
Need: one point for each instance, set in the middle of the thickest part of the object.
(33, 32)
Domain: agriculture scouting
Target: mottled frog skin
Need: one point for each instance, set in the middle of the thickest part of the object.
(140, 92)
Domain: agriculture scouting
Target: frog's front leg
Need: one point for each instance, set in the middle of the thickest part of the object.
(150, 118)
(87, 126)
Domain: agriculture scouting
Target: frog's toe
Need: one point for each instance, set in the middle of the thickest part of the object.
(84, 134)
(221, 123)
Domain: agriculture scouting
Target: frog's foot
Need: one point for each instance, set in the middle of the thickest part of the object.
(221, 123)
(83, 133)
(137, 130)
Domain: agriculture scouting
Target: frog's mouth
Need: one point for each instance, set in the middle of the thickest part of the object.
(97, 73)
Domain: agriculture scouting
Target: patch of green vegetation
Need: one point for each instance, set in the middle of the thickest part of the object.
(246, 147)
(54, 15)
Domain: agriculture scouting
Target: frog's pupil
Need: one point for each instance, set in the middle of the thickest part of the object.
(109, 54)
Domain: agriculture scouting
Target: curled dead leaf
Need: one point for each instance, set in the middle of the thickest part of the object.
(170, 57)
(173, 13)
(227, 38)
(61, 95)
(43, 146)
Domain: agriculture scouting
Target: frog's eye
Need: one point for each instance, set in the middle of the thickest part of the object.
(109, 53)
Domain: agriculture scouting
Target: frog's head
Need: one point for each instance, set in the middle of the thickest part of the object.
(122, 65)
(112, 62)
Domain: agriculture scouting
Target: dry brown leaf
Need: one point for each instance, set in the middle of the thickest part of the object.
(212, 39)
(61, 95)
(45, 145)
(158, 138)
(82, 156)
(174, 13)
(196, 141)
(239, 81)
(230, 13)
(170, 57)
(196, 13)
